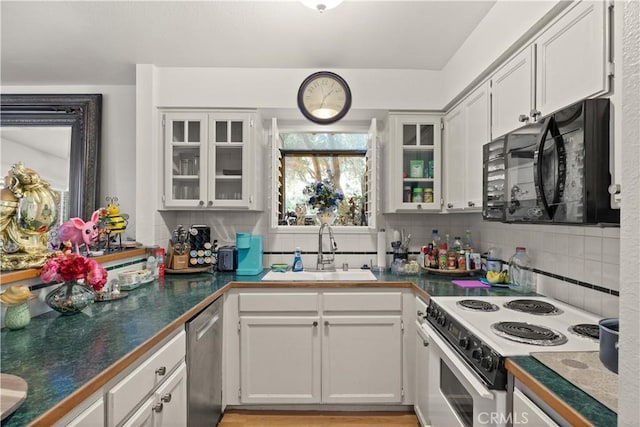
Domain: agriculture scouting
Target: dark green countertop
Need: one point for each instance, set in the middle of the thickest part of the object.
(57, 354)
(589, 408)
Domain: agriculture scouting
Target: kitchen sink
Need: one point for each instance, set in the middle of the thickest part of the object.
(355, 275)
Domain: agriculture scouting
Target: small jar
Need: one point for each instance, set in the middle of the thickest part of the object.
(428, 195)
(462, 261)
(406, 194)
(452, 261)
(417, 195)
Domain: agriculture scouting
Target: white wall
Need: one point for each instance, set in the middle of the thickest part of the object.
(629, 373)
(278, 88)
(117, 151)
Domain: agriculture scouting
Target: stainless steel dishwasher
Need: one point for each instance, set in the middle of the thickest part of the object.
(204, 366)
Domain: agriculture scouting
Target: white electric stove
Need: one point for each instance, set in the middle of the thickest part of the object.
(485, 330)
(469, 340)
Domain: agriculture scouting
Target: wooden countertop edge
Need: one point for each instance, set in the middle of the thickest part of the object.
(30, 273)
(550, 398)
(83, 392)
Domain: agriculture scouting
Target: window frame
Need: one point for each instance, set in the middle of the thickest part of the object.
(299, 127)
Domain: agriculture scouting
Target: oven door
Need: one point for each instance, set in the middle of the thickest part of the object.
(457, 396)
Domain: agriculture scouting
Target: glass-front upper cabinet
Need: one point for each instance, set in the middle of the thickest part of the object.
(209, 160)
(185, 136)
(413, 177)
(229, 138)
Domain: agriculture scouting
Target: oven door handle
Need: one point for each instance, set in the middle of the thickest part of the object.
(423, 334)
(477, 385)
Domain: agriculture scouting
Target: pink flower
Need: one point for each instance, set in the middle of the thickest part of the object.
(97, 275)
(68, 267)
(50, 271)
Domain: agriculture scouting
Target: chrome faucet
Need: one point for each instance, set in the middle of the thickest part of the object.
(327, 260)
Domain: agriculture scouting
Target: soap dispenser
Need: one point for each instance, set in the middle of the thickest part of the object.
(297, 260)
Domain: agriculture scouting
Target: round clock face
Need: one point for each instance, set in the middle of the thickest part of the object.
(324, 97)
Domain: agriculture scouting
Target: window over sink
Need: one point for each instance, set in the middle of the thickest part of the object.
(344, 160)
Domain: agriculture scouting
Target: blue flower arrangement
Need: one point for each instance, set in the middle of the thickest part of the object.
(323, 195)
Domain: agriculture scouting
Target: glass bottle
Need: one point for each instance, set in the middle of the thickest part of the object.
(468, 241)
(521, 275)
(456, 246)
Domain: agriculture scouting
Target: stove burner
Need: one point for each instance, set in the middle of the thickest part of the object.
(529, 334)
(588, 330)
(477, 305)
(533, 306)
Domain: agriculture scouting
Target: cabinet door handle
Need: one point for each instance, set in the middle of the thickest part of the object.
(449, 205)
(166, 398)
(201, 203)
(471, 204)
(420, 313)
(535, 114)
(419, 207)
(157, 407)
(161, 370)
(523, 118)
(326, 323)
(425, 343)
(210, 203)
(315, 324)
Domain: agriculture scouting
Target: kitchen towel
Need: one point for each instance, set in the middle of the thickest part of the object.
(470, 284)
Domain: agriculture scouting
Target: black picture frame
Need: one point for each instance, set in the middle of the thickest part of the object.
(83, 113)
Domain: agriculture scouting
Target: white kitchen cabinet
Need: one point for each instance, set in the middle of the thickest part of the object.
(148, 377)
(567, 62)
(362, 359)
(466, 130)
(280, 359)
(315, 347)
(512, 93)
(167, 407)
(422, 367)
(572, 57)
(212, 160)
(413, 163)
(526, 412)
(92, 416)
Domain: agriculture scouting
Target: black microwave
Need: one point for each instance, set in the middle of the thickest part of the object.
(554, 171)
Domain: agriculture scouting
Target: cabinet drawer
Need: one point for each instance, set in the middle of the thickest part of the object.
(288, 301)
(362, 301)
(124, 396)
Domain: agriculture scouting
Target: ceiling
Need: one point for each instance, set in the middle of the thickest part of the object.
(99, 42)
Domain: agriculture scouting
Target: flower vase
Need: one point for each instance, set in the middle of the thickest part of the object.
(326, 216)
(70, 298)
(17, 316)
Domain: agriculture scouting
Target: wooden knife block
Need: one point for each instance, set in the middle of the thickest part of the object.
(177, 262)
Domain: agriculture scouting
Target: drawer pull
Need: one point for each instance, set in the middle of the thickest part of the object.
(326, 323)
(523, 118)
(471, 204)
(166, 398)
(315, 323)
(157, 407)
(425, 343)
(450, 205)
(161, 370)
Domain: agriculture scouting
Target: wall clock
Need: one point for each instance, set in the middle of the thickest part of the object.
(324, 97)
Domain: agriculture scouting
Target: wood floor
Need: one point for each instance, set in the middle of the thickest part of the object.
(317, 419)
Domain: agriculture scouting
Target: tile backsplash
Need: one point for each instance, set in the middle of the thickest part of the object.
(578, 265)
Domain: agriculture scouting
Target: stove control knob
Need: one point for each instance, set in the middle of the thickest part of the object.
(442, 320)
(487, 363)
(476, 354)
(464, 342)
